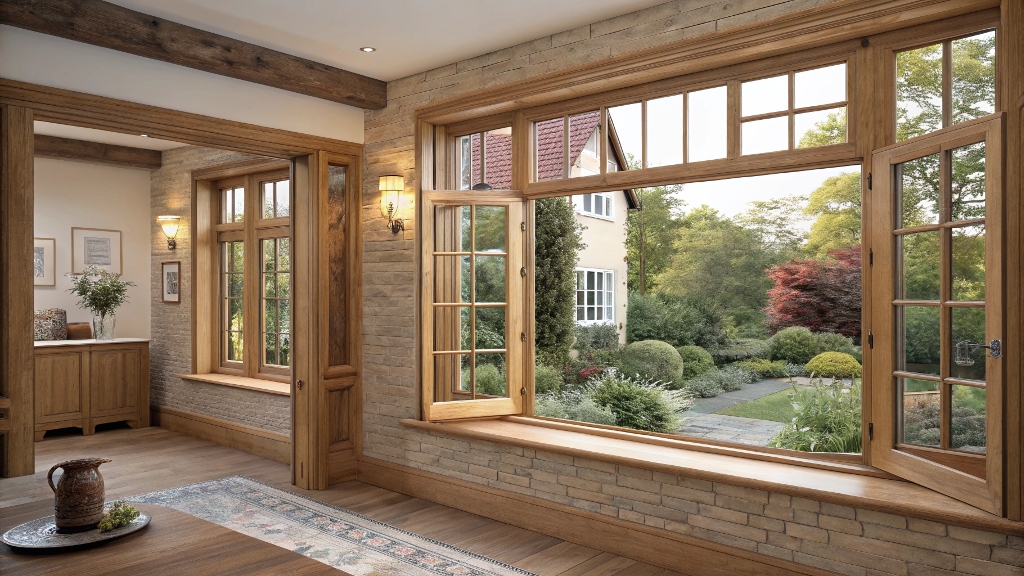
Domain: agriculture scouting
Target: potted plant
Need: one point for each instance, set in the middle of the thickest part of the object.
(101, 293)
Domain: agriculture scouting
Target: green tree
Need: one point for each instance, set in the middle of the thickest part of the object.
(831, 130)
(775, 223)
(836, 209)
(559, 239)
(650, 233)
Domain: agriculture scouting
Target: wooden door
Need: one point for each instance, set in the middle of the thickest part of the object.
(61, 387)
(114, 381)
(937, 241)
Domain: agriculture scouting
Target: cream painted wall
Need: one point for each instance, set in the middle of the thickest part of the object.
(51, 61)
(93, 196)
(606, 250)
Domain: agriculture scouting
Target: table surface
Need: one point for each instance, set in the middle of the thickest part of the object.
(87, 342)
(173, 543)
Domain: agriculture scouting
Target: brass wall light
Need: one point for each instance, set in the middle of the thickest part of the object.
(391, 188)
(169, 224)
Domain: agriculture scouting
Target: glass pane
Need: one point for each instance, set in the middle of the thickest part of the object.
(768, 135)
(448, 372)
(665, 131)
(920, 271)
(968, 252)
(968, 165)
(920, 340)
(451, 328)
(451, 279)
(270, 316)
(921, 412)
(237, 256)
(968, 419)
(584, 134)
(234, 282)
(968, 362)
(465, 151)
(549, 152)
(490, 375)
(268, 199)
(270, 349)
(625, 125)
(821, 128)
(490, 278)
(282, 196)
(918, 91)
(235, 314)
(706, 124)
(490, 328)
(498, 158)
(284, 316)
(974, 76)
(764, 96)
(227, 206)
(239, 209)
(269, 285)
(490, 228)
(820, 86)
(284, 350)
(284, 253)
(269, 251)
(337, 343)
(284, 285)
(918, 181)
(234, 346)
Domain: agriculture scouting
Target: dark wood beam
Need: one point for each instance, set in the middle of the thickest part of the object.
(111, 26)
(82, 151)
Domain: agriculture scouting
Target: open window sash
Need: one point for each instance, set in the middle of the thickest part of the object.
(472, 317)
(937, 239)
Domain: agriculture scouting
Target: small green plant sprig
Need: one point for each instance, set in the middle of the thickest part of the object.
(120, 515)
(99, 291)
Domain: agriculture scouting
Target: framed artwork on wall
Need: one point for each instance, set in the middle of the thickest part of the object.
(96, 247)
(43, 265)
(170, 274)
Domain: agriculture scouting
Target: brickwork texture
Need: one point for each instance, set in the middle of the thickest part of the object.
(836, 538)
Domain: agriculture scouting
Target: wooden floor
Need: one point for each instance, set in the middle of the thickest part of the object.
(152, 459)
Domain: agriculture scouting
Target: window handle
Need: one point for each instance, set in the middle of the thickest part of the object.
(963, 351)
(298, 384)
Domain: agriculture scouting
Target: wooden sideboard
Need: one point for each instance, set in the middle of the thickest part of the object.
(82, 383)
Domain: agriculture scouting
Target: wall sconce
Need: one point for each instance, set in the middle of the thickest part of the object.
(170, 228)
(391, 188)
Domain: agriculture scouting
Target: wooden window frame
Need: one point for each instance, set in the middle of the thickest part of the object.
(609, 293)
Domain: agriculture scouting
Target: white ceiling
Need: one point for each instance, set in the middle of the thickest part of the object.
(103, 137)
(410, 35)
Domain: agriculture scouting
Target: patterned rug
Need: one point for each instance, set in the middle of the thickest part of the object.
(332, 535)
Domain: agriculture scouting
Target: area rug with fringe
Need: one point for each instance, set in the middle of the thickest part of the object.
(335, 536)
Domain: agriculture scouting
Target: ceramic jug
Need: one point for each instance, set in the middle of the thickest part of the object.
(78, 495)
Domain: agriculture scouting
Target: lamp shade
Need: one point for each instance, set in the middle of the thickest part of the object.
(169, 225)
(391, 188)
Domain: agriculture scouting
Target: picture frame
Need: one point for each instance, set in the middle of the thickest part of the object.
(170, 282)
(96, 247)
(43, 262)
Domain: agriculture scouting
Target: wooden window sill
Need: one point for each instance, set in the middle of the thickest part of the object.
(256, 384)
(846, 488)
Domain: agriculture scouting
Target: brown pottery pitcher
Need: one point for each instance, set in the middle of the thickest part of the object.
(78, 495)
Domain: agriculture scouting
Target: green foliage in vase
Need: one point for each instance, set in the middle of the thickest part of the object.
(99, 291)
(120, 515)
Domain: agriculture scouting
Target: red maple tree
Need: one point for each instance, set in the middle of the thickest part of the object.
(821, 295)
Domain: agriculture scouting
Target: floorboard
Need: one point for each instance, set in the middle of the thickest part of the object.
(151, 459)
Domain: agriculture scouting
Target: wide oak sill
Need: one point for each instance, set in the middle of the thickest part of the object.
(833, 486)
(256, 384)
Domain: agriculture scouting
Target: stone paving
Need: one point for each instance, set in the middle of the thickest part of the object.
(750, 431)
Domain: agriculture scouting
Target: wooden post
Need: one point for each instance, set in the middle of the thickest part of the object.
(17, 362)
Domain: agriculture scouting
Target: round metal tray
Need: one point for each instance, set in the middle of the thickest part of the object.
(42, 533)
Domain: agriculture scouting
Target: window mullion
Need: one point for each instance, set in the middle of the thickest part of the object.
(251, 317)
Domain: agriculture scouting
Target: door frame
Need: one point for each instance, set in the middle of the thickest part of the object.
(20, 104)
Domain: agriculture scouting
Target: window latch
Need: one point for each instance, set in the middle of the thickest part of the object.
(522, 272)
(522, 226)
(298, 384)
(871, 430)
(963, 351)
(871, 340)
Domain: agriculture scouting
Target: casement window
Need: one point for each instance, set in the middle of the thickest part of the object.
(597, 204)
(595, 296)
(485, 158)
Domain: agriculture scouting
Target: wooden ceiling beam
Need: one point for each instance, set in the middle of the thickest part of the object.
(110, 154)
(110, 26)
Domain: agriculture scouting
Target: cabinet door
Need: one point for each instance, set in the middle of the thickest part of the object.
(59, 393)
(115, 380)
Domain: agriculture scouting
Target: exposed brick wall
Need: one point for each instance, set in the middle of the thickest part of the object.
(171, 349)
(844, 540)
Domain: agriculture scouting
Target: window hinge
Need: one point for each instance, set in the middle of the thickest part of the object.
(869, 181)
(522, 336)
(522, 226)
(871, 257)
(522, 272)
(871, 340)
(871, 430)
(522, 391)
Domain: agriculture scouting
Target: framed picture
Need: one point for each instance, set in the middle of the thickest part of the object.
(43, 266)
(95, 247)
(170, 273)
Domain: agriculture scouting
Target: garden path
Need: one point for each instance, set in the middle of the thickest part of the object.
(705, 424)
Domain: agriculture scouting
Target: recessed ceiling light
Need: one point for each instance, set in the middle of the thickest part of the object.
(144, 135)
(367, 49)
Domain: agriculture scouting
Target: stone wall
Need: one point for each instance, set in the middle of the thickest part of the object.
(844, 540)
(171, 349)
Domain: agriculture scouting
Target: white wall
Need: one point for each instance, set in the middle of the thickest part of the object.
(94, 196)
(51, 61)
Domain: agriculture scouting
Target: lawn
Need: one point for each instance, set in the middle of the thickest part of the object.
(776, 407)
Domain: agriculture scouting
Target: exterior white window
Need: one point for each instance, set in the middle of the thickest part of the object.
(597, 204)
(595, 296)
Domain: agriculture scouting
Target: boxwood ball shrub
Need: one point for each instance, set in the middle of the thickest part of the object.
(764, 368)
(696, 361)
(796, 345)
(834, 365)
(653, 359)
(832, 342)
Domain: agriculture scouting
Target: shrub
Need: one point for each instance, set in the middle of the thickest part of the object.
(725, 379)
(575, 407)
(793, 370)
(827, 420)
(742, 349)
(703, 387)
(921, 425)
(559, 239)
(547, 380)
(795, 345)
(696, 361)
(641, 404)
(764, 368)
(688, 321)
(654, 360)
(834, 365)
(489, 380)
(596, 337)
(832, 342)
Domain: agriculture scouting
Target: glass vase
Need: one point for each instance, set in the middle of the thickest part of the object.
(103, 326)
